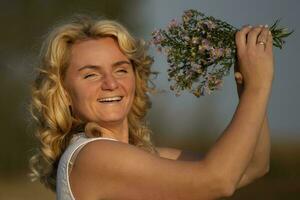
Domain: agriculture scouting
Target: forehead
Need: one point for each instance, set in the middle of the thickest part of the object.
(102, 51)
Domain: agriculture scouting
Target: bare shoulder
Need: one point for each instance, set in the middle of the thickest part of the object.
(115, 170)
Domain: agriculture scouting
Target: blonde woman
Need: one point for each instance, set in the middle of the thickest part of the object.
(90, 100)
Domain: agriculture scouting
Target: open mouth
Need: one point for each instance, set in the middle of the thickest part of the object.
(110, 100)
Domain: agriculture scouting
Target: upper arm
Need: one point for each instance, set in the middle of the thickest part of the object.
(120, 171)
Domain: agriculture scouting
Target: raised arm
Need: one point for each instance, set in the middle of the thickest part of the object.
(259, 164)
(256, 66)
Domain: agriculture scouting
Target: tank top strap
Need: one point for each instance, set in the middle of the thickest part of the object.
(78, 141)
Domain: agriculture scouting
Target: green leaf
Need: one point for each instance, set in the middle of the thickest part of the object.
(275, 24)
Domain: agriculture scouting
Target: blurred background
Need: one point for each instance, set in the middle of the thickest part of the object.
(184, 122)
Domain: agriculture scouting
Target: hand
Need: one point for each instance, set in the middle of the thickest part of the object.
(254, 60)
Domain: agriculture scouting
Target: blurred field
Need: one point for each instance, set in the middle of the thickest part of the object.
(282, 182)
(18, 187)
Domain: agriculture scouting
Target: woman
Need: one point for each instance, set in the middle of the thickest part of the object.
(90, 99)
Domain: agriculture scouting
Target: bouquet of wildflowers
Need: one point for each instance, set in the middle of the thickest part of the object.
(201, 50)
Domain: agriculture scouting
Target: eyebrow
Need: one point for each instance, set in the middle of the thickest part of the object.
(98, 66)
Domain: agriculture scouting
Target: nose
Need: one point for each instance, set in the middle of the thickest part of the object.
(109, 83)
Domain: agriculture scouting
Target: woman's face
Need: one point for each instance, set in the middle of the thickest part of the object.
(100, 80)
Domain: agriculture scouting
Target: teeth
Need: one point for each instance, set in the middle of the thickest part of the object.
(110, 99)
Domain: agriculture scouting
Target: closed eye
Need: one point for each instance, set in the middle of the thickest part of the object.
(122, 70)
(89, 75)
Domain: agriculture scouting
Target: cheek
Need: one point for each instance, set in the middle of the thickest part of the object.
(80, 94)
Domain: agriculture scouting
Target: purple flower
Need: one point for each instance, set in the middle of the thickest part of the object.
(210, 25)
(196, 68)
(219, 83)
(188, 14)
(206, 44)
(219, 52)
(216, 53)
(173, 24)
(214, 81)
(157, 37)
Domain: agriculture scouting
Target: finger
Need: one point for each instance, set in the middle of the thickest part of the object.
(238, 77)
(240, 37)
(269, 44)
(263, 37)
(252, 36)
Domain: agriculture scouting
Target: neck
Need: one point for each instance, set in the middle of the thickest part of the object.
(118, 131)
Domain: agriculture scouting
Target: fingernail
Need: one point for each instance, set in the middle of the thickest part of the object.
(270, 33)
(260, 25)
(266, 26)
(250, 26)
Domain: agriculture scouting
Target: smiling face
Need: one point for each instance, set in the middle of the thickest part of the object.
(100, 80)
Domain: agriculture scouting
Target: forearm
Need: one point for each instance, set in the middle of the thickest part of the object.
(233, 151)
(261, 156)
(259, 164)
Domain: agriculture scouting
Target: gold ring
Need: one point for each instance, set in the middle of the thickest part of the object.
(261, 42)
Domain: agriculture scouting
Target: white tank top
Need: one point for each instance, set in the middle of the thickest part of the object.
(63, 189)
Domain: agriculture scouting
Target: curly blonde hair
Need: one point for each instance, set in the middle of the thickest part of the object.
(49, 105)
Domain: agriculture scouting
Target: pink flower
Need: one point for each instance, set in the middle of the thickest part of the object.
(219, 52)
(219, 83)
(187, 16)
(205, 44)
(173, 24)
(188, 13)
(216, 53)
(157, 37)
(196, 68)
(210, 25)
